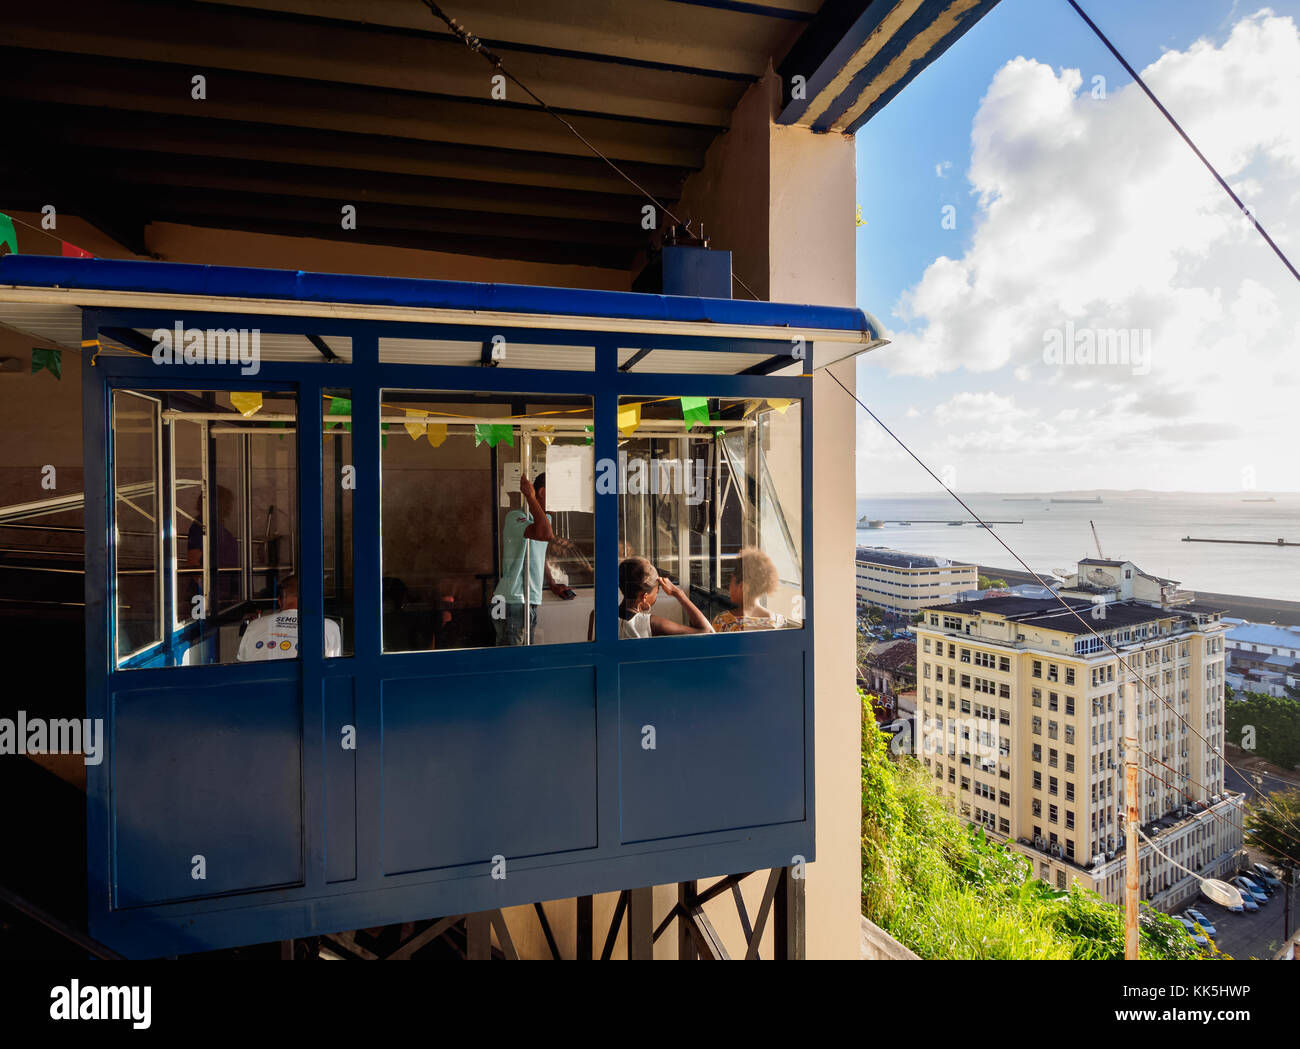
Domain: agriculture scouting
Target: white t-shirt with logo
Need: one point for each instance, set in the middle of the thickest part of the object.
(275, 636)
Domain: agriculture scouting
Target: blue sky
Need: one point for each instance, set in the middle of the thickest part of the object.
(902, 193)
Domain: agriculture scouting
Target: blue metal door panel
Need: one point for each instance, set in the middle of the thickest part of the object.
(729, 744)
(209, 771)
(340, 771)
(478, 765)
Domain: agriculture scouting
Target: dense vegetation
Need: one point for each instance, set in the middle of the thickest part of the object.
(1265, 725)
(945, 891)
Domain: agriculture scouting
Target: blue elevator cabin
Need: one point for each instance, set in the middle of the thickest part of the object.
(395, 760)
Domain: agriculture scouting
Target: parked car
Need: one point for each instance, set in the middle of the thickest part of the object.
(1271, 880)
(1192, 914)
(1258, 882)
(1249, 888)
(1201, 941)
(1238, 909)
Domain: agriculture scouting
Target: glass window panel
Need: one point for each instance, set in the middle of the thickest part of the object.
(137, 523)
(338, 482)
(713, 507)
(463, 564)
(231, 498)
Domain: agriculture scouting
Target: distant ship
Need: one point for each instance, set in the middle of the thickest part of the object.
(1090, 501)
(863, 522)
(1028, 499)
(1268, 499)
(952, 523)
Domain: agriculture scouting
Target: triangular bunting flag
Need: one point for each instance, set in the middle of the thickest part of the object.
(416, 429)
(695, 410)
(246, 403)
(8, 235)
(546, 434)
(779, 403)
(341, 406)
(493, 433)
(71, 251)
(50, 360)
(436, 433)
(629, 418)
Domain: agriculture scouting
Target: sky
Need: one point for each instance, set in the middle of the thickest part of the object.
(1090, 311)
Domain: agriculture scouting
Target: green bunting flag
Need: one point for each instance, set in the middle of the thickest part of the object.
(589, 430)
(492, 433)
(383, 437)
(341, 406)
(50, 360)
(8, 235)
(695, 410)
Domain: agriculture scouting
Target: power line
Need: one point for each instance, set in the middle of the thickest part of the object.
(1137, 79)
(476, 46)
(1138, 679)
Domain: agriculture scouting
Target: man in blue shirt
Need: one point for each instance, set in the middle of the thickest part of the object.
(524, 574)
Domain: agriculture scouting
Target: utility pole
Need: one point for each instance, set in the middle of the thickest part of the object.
(1131, 864)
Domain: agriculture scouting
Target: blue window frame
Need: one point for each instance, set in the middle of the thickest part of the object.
(536, 754)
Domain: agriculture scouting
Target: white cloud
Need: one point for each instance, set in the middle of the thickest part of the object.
(942, 168)
(1094, 213)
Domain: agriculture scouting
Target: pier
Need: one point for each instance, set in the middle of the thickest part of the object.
(1242, 542)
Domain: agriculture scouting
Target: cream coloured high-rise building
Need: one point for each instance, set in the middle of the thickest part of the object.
(1020, 709)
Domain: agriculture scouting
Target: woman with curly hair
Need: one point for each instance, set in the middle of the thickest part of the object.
(753, 577)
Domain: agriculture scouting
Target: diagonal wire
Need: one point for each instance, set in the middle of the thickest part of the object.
(476, 45)
(1138, 679)
(1137, 79)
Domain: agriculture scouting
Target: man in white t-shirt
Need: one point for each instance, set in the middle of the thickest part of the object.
(275, 636)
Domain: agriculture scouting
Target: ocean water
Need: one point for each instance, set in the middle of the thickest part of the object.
(1143, 527)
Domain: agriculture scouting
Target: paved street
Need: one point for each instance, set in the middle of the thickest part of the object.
(1258, 935)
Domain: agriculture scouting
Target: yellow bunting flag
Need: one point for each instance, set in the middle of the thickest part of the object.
(750, 408)
(779, 403)
(629, 418)
(415, 429)
(436, 433)
(246, 403)
(546, 434)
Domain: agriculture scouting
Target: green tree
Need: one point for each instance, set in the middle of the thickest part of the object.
(988, 583)
(1273, 827)
(1270, 723)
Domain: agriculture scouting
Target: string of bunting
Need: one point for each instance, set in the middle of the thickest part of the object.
(9, 236)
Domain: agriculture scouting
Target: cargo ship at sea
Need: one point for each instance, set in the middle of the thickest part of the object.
(1090, 502)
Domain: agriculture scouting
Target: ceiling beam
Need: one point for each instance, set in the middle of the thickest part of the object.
(44, 76)
(74, 128)
(206, 39)
(727, 40)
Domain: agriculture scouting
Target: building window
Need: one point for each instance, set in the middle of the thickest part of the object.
(965, 655)
(1069, 791)
(1004, 798)
(1052, 814)
(1069, 763)
(1037, 697)
(1051, 672)
(1051, 757)
(1038, 668)
(1037, 807)
(1053, 786)
(1069, 704)
(1069, 819)
(965, 783)
(1069, 675)
(1038, 752)
(1004, 664)
(1004, 825)
(1004, 717)
(1069, 733)
(1051, 730)
(1036, 726)
(1060, 879)
(1052, 703)
(925, 645)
